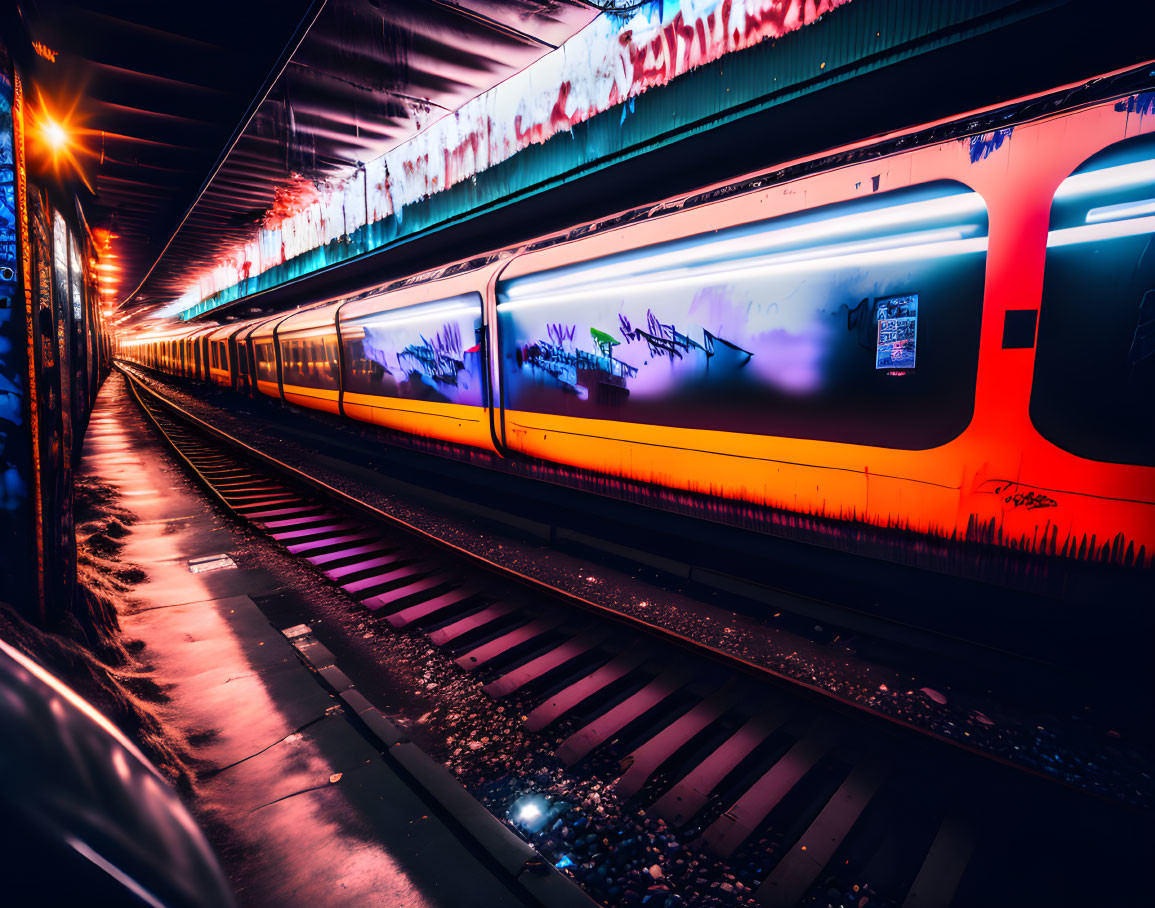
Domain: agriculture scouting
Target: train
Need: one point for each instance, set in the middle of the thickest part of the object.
(947, 333)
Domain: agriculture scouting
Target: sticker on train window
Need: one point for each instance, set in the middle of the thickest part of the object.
(897, 332)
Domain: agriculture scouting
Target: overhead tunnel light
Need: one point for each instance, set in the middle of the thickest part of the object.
(54, 135)
(57, 134)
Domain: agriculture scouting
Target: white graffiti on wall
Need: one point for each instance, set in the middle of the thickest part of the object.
(609, 62)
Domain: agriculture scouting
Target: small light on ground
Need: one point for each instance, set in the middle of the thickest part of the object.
(529, 812)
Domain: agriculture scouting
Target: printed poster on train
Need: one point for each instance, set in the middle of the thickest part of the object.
(897, 332)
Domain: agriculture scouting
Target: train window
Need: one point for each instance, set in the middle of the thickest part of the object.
(266, 361)
(430, 351)
(1093, 392)
(309, 361)
(856, 322)
(214, 356)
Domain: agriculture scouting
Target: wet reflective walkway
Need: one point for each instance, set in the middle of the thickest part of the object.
(303, 809)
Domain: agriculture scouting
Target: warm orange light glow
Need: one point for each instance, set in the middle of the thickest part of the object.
(54, 135)
(44, 51)
(59, 136)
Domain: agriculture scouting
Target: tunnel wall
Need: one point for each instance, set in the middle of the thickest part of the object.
(53, 357)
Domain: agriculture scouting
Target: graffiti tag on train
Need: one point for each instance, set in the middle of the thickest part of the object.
(1032, 501)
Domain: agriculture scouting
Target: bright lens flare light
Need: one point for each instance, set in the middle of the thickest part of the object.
(59, 135)
(54, 135)
(529, 813)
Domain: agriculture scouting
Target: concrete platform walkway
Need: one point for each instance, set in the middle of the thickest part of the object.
(304, 809)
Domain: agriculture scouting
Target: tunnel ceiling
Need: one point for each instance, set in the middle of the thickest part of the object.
(198, 118)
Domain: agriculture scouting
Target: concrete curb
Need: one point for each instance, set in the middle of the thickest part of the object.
(541, 881)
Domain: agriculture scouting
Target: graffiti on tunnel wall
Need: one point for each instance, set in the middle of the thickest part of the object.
(612, 61)
(14, 466)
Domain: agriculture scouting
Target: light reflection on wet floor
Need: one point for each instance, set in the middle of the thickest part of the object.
(313, 814)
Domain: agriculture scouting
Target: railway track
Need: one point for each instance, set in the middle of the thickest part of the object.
(806, 794)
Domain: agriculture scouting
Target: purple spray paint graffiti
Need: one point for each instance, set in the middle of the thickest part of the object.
(986, 144)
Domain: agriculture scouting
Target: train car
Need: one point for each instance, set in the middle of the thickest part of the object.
(860, 344)
(955, 338)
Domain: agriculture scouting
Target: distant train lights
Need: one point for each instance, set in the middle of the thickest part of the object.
(105, 269)
(108, 274)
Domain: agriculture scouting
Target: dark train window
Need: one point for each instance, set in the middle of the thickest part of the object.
(857, 322)
(309, 361)
(430, 351)
(216, 361)
(1093, 392)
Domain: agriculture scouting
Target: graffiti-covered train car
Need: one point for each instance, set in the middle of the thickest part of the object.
(956, 339)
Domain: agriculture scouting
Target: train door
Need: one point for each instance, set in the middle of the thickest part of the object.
(239, 367)
(250, 355)
(203, 343)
